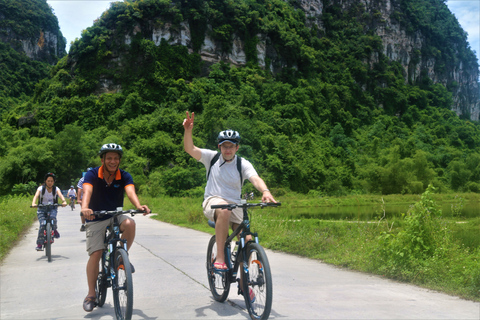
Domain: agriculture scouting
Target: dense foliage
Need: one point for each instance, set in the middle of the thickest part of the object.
(329, 119)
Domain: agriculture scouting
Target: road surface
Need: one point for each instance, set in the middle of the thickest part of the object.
(170, 283)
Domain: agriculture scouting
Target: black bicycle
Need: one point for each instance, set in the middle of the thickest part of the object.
(48, 232)
(115, 268)
(72, 202)
(255, 282)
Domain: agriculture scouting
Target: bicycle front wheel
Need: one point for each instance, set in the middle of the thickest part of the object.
(101, 285)
(122, 285)
(257, 283)
(48, 243)
(217, 280)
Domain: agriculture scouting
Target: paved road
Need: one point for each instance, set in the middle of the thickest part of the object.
(170, 283)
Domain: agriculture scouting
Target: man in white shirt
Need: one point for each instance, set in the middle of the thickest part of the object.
(224, 182)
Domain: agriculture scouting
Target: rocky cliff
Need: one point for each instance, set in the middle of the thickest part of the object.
(406, 43)
(30, 26)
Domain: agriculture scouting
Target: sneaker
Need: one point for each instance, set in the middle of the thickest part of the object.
(82, 228)
(56, 235)
(252, 295)
(89, 304)
(39, 247)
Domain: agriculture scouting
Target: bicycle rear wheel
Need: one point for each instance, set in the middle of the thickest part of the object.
(217, 280)
(48, 243)
(101, 285)
(122, 285)
(257, 283)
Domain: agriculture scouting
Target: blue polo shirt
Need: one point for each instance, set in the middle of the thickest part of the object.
(104, 196)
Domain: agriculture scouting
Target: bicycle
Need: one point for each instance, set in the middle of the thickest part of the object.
(72, 202)
(255, 274)
(115, 268)
(48, 232)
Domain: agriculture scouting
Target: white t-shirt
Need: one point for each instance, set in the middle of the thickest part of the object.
(224, 180)
(48, 197)
(71, 192)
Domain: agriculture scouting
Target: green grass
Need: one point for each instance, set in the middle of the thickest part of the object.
(15, 217)
(447, 262)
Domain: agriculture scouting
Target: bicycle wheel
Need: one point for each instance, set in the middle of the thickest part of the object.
(257, 283)
(217, 280)
(122, 285)
(101, 285)
(48, 243)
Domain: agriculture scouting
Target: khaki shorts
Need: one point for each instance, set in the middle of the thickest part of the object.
(235, 217)
(95, 232)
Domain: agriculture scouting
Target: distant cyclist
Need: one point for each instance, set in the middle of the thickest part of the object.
(104, 189)
(224, 182)
(72, 195)
(48, 193)
(80, 196)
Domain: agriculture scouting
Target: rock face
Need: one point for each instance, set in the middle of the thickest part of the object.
(41, 42)
(398, 45)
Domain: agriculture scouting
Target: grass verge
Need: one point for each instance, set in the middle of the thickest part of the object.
(419, 247)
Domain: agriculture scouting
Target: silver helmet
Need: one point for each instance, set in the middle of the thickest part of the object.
(228, 135)
(110, 147)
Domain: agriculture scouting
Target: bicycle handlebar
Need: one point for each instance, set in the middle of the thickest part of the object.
(117, 212)
(231, 206)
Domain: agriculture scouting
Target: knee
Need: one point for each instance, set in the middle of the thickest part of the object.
(95, 256)
(128, 225)
(223, 216)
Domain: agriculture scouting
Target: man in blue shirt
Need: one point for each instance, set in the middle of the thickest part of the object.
(103, 189)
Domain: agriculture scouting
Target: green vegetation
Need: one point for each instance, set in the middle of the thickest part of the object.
(15, 217)
(328, 120)
(420, 247)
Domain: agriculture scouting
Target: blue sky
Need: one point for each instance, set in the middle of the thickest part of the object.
(77, 15)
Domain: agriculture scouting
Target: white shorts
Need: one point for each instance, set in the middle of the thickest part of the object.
(235, 217)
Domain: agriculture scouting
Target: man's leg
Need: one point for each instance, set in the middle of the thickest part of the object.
(222, 221)
(92, 275)
(127, 227)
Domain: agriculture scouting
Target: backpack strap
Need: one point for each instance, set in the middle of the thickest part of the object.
(214, 159)
(41, 194)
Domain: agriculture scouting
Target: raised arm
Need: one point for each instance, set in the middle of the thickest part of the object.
(188, 145)
(262, 187)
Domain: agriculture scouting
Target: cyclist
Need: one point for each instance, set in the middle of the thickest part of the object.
(79, 198)
(72, 194)
(103, 189)
(48, 194)
(223, 182)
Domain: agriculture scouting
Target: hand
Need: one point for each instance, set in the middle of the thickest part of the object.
(267, 197)
(64, 203)
(34, 205)
(144, 208)
(188, 122)
(87, 214)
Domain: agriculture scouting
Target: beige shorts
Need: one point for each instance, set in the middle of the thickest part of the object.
(235, 217)
(95, 232)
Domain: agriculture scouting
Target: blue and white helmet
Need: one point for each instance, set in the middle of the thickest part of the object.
(111, 147)
(228, 135)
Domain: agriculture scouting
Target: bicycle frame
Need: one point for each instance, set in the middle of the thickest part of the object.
(244, 230)
(115, 268)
